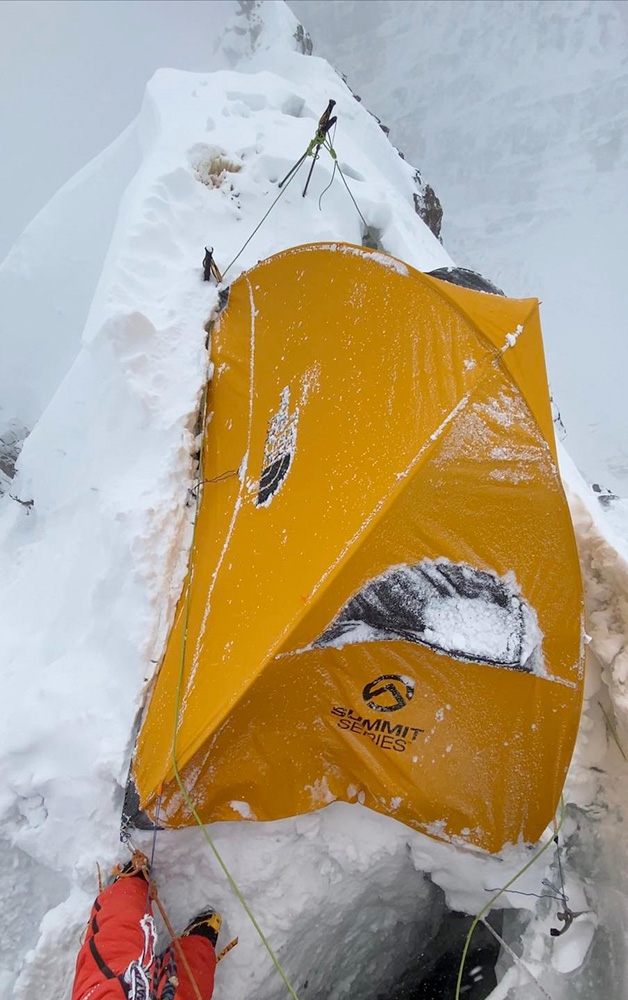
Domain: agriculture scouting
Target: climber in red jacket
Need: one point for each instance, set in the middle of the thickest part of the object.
(117, 960)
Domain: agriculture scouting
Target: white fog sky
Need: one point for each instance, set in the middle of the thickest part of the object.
(72, 75)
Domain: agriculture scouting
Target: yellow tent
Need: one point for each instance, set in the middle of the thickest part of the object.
(385, 603)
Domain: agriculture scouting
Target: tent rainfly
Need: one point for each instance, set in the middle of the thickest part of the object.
(383, 603)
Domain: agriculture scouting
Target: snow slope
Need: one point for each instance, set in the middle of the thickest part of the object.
(48, 280)
(91, 571)
(517, 114)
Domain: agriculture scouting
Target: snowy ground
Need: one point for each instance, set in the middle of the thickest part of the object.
(92, 569)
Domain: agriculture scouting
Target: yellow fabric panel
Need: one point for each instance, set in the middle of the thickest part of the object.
(495, 316)
(461, 760)
(476, 742)
(409, 440)
(277, 556)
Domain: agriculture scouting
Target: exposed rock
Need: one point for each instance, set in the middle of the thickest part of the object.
(255, 28)
(427, 205)
(466, 278)
(426, 202)
(303, 40)
(11, 441)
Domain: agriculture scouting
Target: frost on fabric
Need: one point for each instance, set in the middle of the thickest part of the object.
(501, 434)
(512, 338)
(373, 255)
(243, 809)
(389, 262)
(310, 381)
(454, 609)
(321, 793)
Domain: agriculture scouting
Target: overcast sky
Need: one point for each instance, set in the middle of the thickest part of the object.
(72, 75)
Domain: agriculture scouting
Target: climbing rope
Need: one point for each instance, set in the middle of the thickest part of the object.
(328, 144)
(350, 193)
(566, 915)
(179, 694)
(485, 909)
(331, 180)
(516, 959)
(313, 149)
(325, 122)
(155, 827)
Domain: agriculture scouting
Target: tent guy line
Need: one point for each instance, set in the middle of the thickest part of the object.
(320, 140)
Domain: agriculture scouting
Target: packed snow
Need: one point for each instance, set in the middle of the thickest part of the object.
(95, 550)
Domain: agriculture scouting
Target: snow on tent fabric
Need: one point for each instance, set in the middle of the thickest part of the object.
(386, 603)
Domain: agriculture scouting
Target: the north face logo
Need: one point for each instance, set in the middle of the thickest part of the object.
(279, 449)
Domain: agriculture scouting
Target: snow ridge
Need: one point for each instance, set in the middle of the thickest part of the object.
(92, 570)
